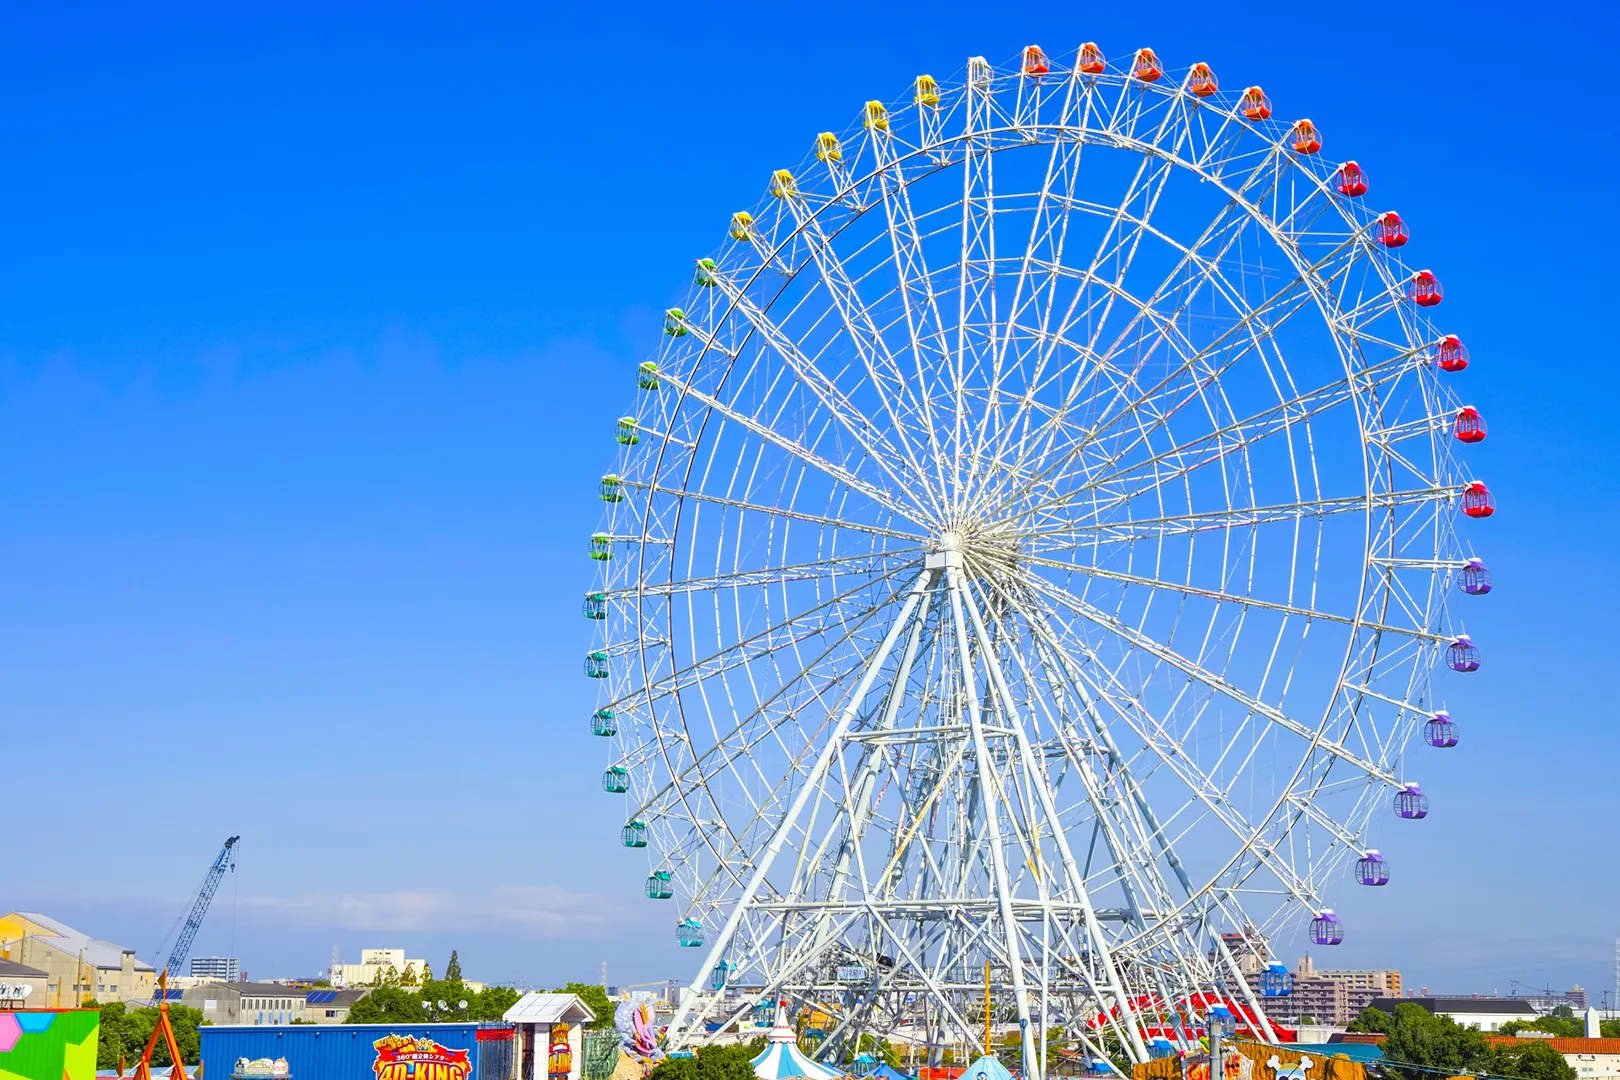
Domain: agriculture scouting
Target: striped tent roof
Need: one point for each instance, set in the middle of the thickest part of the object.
(781, 1059)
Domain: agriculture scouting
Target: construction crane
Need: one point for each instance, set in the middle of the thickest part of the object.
(199, 908)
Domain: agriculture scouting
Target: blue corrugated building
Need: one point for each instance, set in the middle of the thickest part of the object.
(359, 1052)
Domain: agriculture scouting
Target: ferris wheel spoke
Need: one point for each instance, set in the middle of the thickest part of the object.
(1043, 250)
(745, 506)
(1286, 301)
(826, 392)
(975, 270)
(1140, 225)
(1144, 644)
(1246, 433)
(1249, 333)
(1070, 674)
(1131, 529)
(749, 732)
(793, 448)
(925, 326)
(1188, 589)
(1215, 800)
(765, 576)
(1102, 365)
(787, 632)
(883, 373)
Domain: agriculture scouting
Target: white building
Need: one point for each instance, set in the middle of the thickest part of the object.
(216, 968)
(1592, 1059)
(374, 968)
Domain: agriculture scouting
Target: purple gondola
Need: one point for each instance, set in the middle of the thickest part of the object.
(1326, 928)
(1463, 654)
(1474, 579)
(1440, 731)
(1411, 803)
(1371, 869)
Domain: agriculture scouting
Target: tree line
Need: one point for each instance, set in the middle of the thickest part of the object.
(1419, 1046)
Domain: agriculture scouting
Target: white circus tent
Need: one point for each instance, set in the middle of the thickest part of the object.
(781, 1059)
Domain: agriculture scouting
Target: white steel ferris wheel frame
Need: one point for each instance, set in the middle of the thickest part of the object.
(878, 642)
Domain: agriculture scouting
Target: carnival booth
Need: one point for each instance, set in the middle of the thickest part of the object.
(550, 1035)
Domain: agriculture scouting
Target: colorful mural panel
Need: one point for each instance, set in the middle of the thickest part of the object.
(49, 1044)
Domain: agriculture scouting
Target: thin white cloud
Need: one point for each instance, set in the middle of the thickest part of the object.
(538, 911)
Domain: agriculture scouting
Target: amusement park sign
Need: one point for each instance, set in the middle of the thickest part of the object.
(418, 1058)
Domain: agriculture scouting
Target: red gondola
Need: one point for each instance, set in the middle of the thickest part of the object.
(1035, 62)
(1453, 354)
(1255, 105)
(1469, 427)
(1424, 289)
(1306, 139)
(1477, 500)
(1201, 80)
(1091, 59)
(1352, 180)
(1147, 66)
(1390, 230)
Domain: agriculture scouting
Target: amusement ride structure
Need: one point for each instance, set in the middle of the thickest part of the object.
(1031, 546)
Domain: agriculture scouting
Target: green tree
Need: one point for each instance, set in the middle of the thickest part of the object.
(124, 1032)
(387, 1005)
(1372, 1021)
(1609, 1029)
(595, 999)
(492, 1002)
(452, 970)
(1432, 1042)
(1532, 1059)
(711, 1063)
(409, 978)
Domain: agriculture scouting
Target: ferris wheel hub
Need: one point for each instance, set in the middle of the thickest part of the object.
(944, 551)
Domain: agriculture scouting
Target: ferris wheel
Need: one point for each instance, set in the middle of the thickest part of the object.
(1028, 553)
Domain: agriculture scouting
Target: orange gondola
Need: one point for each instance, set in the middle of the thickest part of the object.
(1035, 62)
(1201, 80)
(1305, 137)
(1255, 105)
(1091, 59)
(1147, 66)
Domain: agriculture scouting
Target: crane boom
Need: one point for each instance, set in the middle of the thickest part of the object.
(199, 908)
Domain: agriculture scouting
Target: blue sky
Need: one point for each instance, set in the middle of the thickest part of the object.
(312, 326)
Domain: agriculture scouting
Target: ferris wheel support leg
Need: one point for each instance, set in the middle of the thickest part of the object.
(1071, 868)
(992, 819)
(811, 783)
(859, 808)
